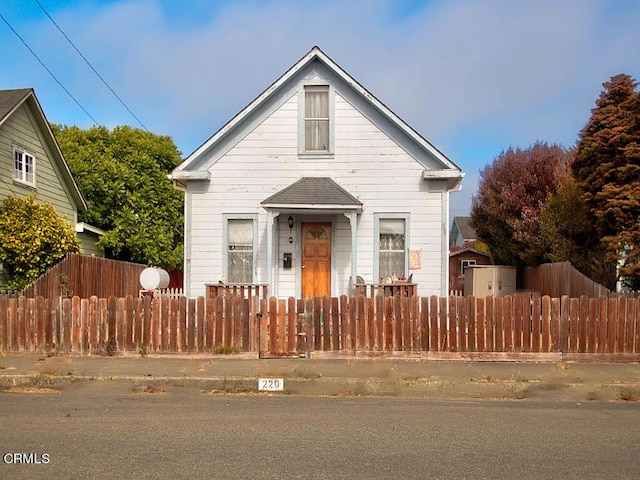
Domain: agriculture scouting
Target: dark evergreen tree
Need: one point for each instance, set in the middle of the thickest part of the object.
(607, 170)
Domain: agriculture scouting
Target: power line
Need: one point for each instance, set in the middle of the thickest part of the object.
(47, 69)
(90, 66)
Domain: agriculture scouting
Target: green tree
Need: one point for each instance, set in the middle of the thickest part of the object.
(122, 174)
(607, 170)
(33, 238)
(567, 232)
(511, 194)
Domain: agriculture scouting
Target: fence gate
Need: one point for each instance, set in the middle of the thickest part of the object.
(282, 330)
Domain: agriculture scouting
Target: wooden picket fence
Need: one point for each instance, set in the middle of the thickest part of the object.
(606, 328)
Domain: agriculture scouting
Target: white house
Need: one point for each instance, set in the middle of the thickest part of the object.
(315, 183)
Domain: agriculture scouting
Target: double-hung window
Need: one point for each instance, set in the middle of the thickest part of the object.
(317, 128)
(392, 247)
(24, 166)
(240, 250)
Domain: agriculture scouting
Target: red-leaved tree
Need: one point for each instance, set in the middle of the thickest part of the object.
(512, 191)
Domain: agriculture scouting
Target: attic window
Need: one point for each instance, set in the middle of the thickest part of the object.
(24, 166)
(316, 119)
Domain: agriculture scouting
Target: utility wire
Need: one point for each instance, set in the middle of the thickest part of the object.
(90, 66)
(47, 69)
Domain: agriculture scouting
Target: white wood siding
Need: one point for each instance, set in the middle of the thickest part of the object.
(367, 163)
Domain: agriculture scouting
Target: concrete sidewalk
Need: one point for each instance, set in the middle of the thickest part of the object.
(352, 376)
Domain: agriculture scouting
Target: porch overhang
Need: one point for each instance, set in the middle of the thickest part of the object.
(312, 208)
(317, 196)
(313, 194)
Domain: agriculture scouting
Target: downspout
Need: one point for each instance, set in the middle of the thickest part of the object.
(444, 247)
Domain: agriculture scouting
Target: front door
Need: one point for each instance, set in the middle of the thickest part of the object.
(316, 259)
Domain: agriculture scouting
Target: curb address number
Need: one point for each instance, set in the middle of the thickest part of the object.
(271, 384)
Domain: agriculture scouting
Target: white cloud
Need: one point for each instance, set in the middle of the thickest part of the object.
(517, 71)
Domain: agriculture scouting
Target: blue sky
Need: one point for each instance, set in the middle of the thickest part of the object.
(473, 77)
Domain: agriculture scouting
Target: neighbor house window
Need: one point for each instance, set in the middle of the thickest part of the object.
(316, 118)
(24, 166)
(465, 264)
(240, 248)
(392, 248)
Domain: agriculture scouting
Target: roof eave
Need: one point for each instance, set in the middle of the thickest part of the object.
(453, 177)
(55, 150)
(312, 206)
(178, 175)
(81, 227)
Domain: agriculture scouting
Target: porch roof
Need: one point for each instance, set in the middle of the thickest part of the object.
(313, 192)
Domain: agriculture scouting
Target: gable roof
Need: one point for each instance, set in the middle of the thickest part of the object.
(195, 166)
(313, 192)
(10, 101)
(464, 227)
(469, 250)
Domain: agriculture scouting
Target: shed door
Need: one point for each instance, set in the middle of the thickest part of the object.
(316, 259)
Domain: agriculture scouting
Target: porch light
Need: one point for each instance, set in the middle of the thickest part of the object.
(290, 221)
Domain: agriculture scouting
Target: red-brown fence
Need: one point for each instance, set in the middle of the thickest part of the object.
(84, 276)
(558, 279)
(605, 327)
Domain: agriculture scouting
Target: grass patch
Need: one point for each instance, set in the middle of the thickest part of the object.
(231, 386)
(25, 389)
(629, 394)
(592, 396)
(307, 373)
(151, 389)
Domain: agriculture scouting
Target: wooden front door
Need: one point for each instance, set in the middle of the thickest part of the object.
(316, 259)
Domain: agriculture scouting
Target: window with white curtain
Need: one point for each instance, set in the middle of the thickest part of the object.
(391, 248)
(316, 118)
(24, 166)
(240, 251)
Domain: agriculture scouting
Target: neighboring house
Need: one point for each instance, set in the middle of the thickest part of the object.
(88, 236)
(31, 161)
(313, 184)
(462, 232)
(461, 259)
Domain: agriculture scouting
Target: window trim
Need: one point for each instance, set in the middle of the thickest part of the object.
(20, 179)
(225, 242)
(301, 122)
(468, 262)
(376, 240)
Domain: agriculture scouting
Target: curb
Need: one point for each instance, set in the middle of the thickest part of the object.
(345, 387)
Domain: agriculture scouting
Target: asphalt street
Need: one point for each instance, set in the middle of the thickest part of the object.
(89, 432)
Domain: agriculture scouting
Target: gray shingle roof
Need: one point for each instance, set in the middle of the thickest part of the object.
(10, 98)
(465, 228)
(313, 191)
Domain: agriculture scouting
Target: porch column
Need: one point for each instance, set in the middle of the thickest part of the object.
(353, 220)
(271, 217)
